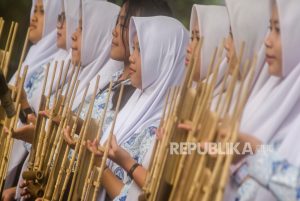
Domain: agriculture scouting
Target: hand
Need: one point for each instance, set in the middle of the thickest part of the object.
(24, 191)
(68, 138)
(160, 132)
(8, 194)
(94, 148)
(47, 114)
(24, 133)
(117, 153)
(188, 126)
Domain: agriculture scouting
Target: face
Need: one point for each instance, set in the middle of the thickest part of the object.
(61, 31)
(76, 44)
(120, 45)
(37, 23)
(230, 52)
(273, 45)
(195, 38)
(135, 66)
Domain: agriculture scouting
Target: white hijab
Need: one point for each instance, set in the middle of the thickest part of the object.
(98, 21)
(249, 28)
(162, 55)
(72, 17)
(278, 101)
(44, 50)
(273, 114)
(71, 9)
(214, 27)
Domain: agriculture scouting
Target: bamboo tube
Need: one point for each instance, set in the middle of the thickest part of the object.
(57, 148)
(7, 149)
(50, 155)
(12, 42)
(201, 105)
(25, 45)
(38, 122)
(8, 145)
(41, 132)
(47, 131)
(67, 150)
(8, 41)
(1, 26)
(80, 144)
(156, 147)
(163, 154)
(87, 184)
(107, 146)
(155, 168)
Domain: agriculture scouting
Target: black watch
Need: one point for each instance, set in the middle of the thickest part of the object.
(24, 113)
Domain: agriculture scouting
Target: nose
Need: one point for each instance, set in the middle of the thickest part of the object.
(268, 41)
(34, 18)
(114, 32)
(74, 38)
(131, 59)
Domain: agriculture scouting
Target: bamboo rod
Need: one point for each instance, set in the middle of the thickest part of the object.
(56, 193)
(38, 122)
(25, 45)
(80, 144)
(87, 184)
(107, 146)
(10, 47)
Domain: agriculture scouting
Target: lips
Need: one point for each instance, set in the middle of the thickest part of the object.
(131, 70)
(114, 43)
(270, 59)
(32, 26)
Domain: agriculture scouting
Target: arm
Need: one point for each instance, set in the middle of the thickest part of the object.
(276, 174)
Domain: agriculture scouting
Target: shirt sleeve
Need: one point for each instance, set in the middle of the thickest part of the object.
(276, 174)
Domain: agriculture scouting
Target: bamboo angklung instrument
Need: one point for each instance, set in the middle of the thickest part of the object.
(6, 138)
(9, 47)
(99, 170)
(79, 151)
(1, 26)
(59, 168)
(88, 179)
(187, 97)
(36, 172)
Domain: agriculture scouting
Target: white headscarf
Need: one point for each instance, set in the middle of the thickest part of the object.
(98, 21)
(162, 55)
(278, 101)
(44, 50)
(72, 17)
(249, 28)
(214, 27)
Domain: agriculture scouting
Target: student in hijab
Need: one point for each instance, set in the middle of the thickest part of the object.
(154, 68)
(42, 35)
(119, 52)
(271, 117)
(212, 23)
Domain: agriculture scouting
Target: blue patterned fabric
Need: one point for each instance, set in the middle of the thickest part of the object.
(137, 146)
(274, 173)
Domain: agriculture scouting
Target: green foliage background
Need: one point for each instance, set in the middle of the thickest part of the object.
(18, 10)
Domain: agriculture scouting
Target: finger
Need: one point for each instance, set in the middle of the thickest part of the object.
(185, 126)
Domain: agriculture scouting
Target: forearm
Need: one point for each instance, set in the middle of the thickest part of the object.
(25, 133)
(139, 174)
(111, 183)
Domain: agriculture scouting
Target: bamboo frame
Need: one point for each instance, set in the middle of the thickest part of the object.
(87, 182)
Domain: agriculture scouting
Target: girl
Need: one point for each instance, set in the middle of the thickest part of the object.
(154, 68)
(273, 174)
